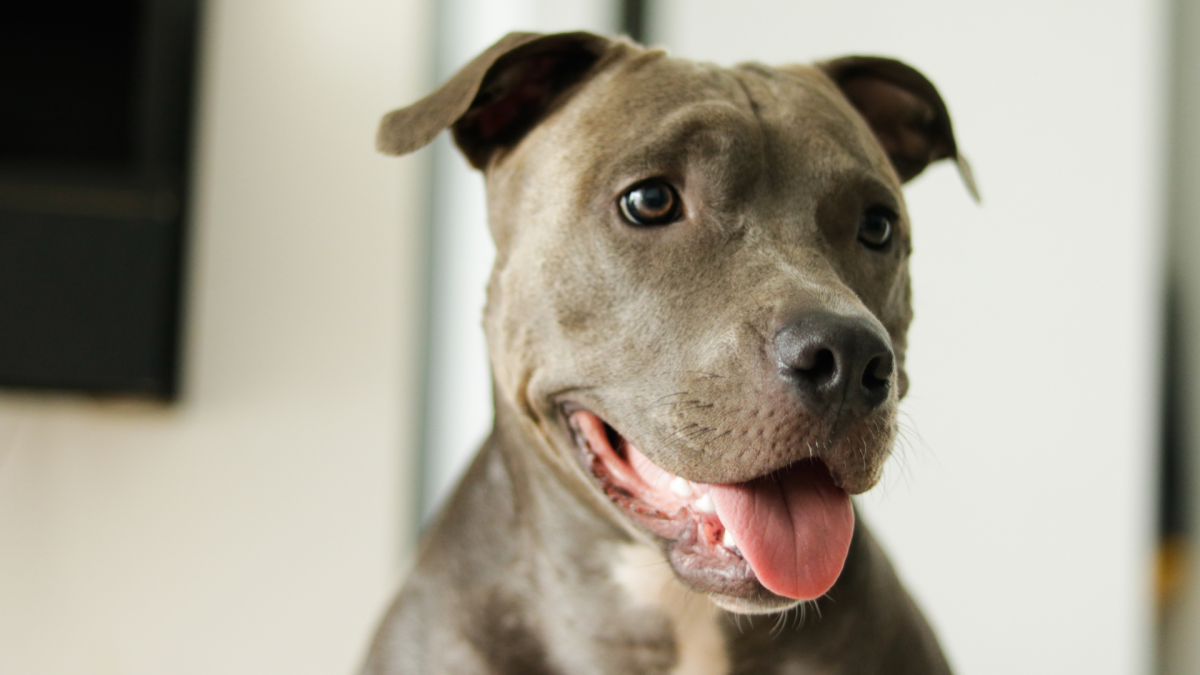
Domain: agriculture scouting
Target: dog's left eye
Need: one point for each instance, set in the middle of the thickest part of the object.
(652, 202)
(875, 228)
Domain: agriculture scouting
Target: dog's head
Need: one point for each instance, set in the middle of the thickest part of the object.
(701, 288)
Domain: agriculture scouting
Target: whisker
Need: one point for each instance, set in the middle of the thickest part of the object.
(661, 401)
(777, 629)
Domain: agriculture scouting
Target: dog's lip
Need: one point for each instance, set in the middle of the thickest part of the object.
(698, 545)
(569, 407)
(665, 492)
(627, 476)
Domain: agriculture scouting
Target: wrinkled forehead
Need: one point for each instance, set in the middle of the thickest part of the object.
(654, 111)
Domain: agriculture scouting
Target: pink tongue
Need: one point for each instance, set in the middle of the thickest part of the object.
(793, 527)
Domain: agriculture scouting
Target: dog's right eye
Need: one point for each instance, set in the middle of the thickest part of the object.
(652, 202)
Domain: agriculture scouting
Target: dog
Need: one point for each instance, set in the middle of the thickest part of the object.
(696, 324)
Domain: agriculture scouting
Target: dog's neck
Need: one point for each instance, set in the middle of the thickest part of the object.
(561, 581)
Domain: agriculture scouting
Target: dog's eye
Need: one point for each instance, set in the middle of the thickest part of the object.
(875, 228)
(653, 202)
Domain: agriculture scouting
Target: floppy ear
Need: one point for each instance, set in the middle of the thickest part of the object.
(904, 110)
(496, 98)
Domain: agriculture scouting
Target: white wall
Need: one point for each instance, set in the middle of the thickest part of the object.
(1020, 510)
(258, 525)
(459, 394)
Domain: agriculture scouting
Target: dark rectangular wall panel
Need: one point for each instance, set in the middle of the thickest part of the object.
(95, 102)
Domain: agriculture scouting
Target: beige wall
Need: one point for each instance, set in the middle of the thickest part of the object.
(258, 525)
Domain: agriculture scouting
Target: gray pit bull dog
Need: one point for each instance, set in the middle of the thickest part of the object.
(696, 324)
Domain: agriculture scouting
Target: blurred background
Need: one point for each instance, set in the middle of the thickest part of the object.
(241, 356)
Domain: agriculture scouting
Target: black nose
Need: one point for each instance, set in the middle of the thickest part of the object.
(838, 363)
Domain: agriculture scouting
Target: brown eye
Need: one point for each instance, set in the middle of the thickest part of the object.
(652, 202)
(875, 228)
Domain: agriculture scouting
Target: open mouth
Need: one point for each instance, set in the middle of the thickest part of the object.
(787, 531)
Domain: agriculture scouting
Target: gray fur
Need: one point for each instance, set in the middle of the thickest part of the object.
(661, 332)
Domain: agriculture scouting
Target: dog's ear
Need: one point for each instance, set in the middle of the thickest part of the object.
(496, 98)
(904, 110)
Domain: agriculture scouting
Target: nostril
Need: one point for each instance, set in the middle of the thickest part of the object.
(819, 367)
(877, 376)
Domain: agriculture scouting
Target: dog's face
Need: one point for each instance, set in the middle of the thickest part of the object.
(701, 295)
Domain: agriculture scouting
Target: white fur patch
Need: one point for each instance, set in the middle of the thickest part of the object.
(649, 581)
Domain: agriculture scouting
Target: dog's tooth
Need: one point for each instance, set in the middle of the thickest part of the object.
(727, 540)
(705, 504)
(681, 487)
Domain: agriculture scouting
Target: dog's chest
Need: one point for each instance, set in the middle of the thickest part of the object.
(650, 584)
